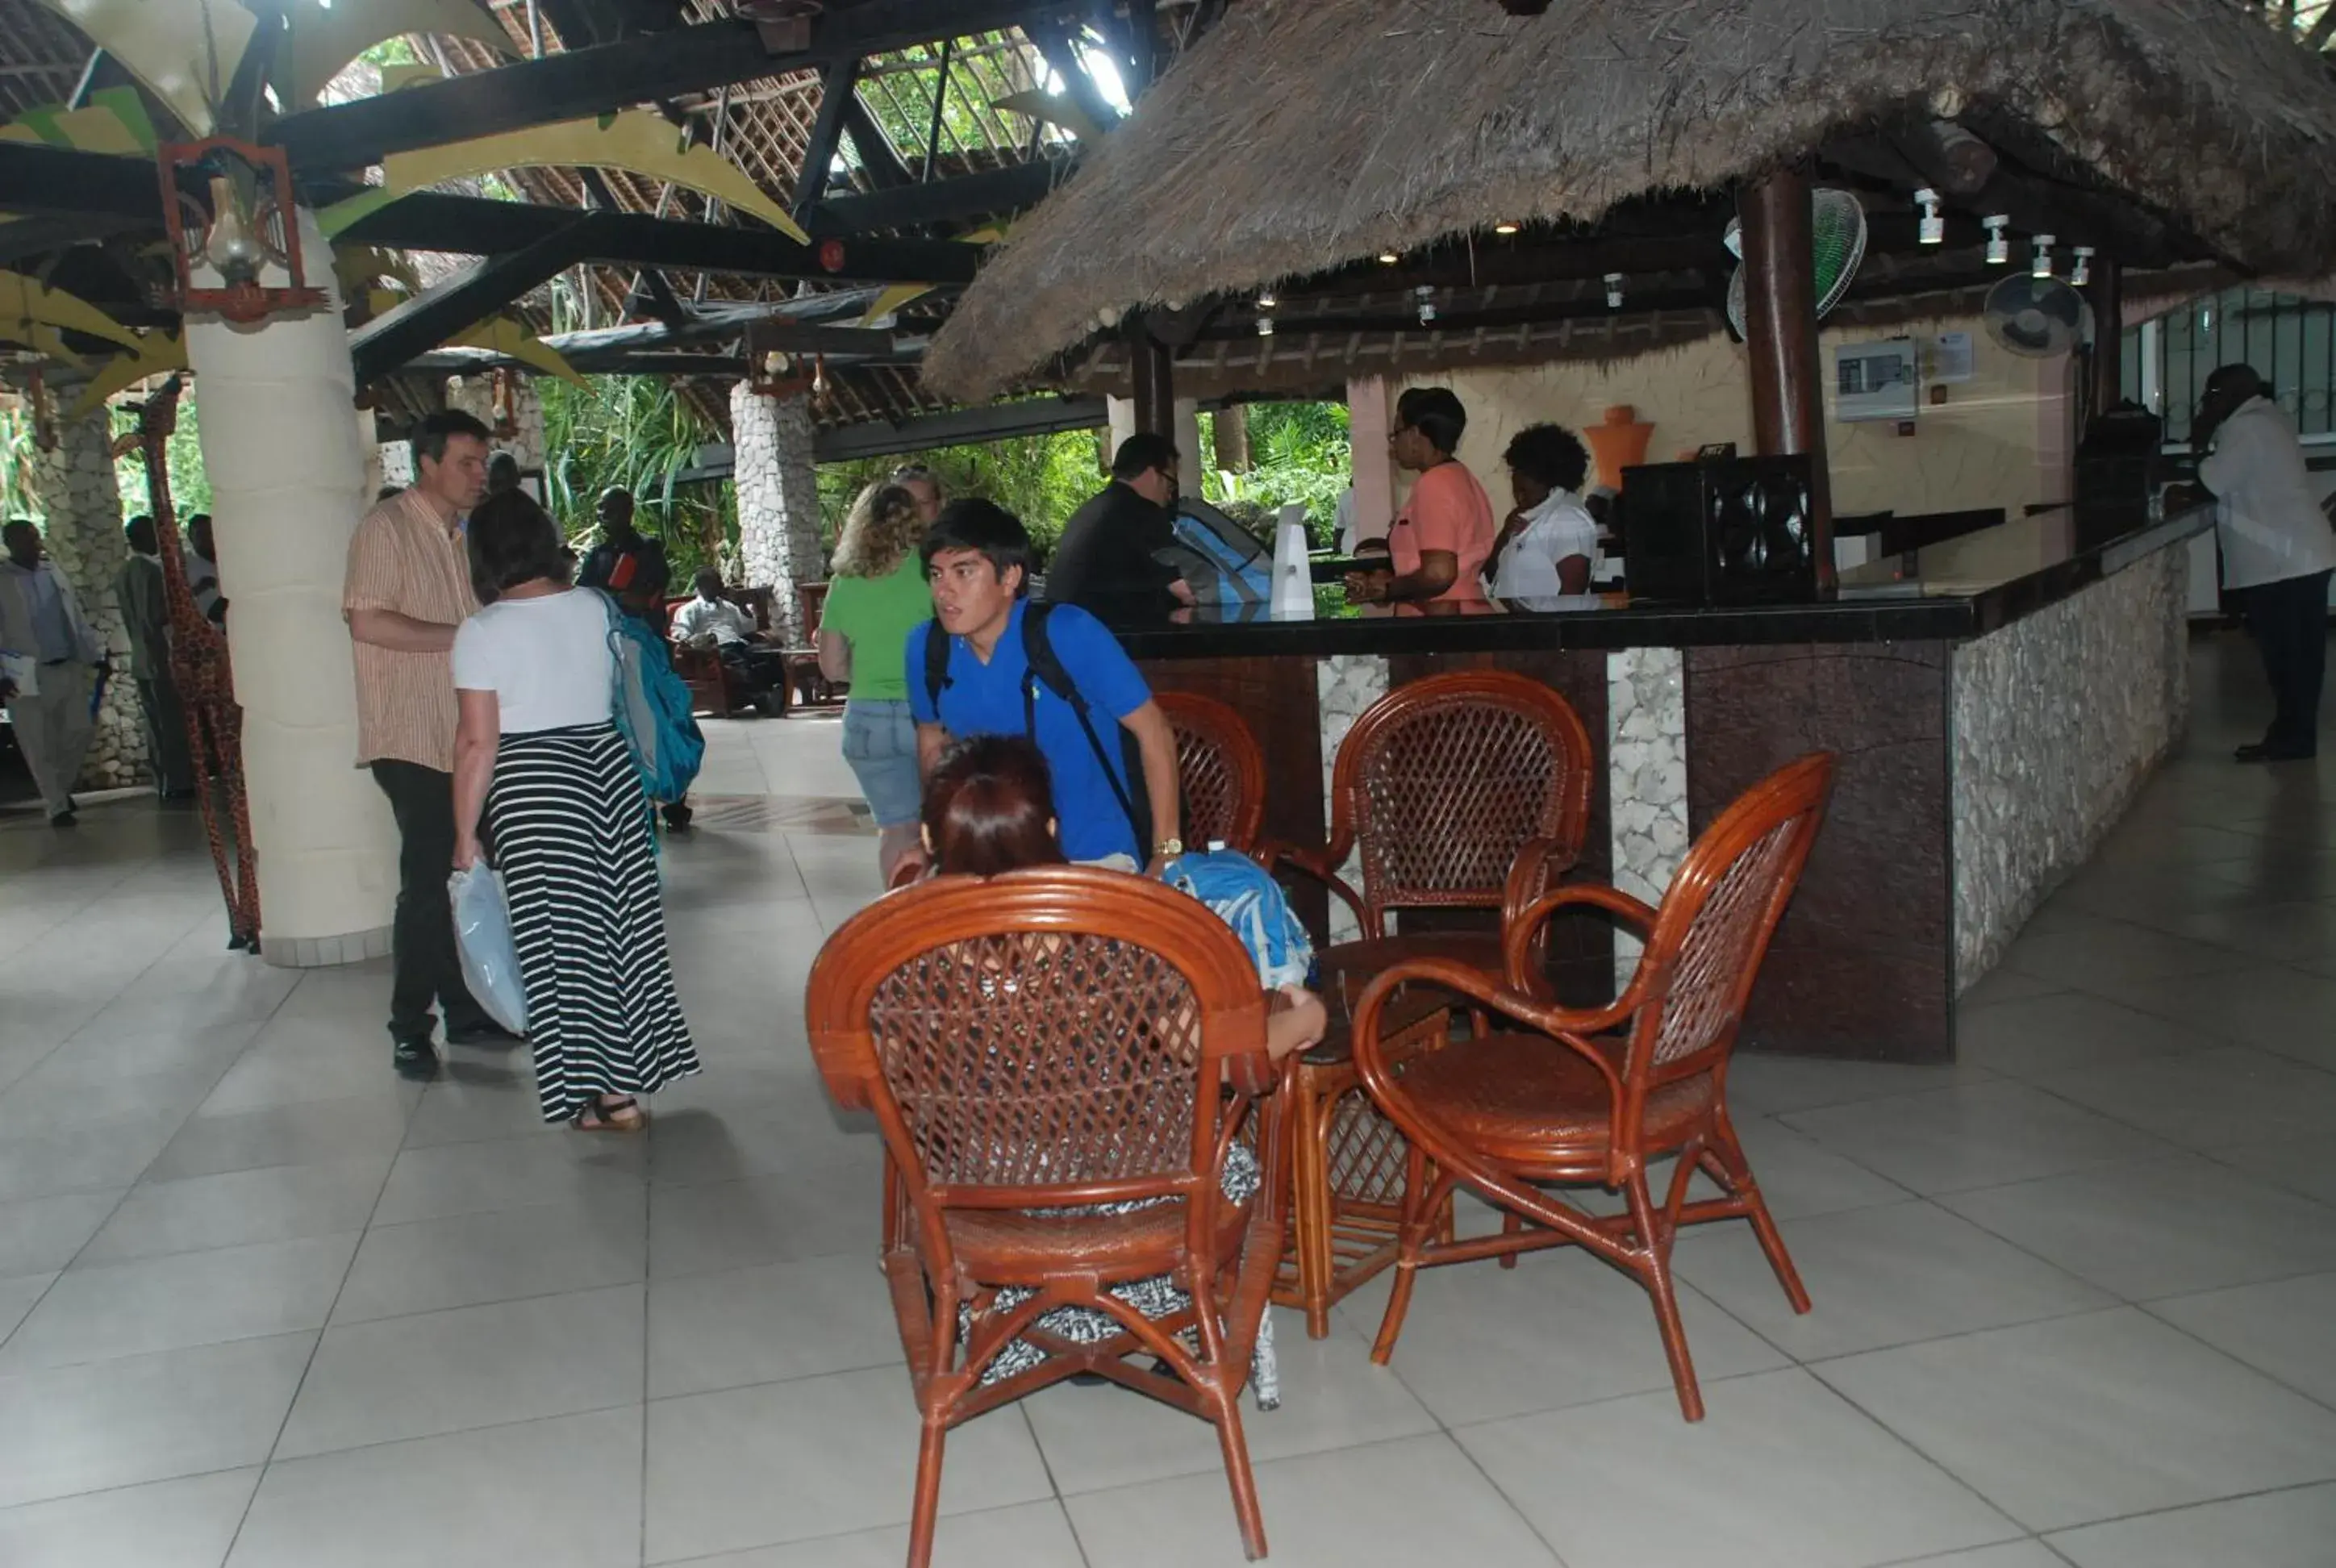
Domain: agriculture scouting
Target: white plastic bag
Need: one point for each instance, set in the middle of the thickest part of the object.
(483, 932)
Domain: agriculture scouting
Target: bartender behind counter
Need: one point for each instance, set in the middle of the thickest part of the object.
(1444, 534)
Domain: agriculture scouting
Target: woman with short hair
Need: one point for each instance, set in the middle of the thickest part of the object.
(1549, 545)
(876, 594)
(537, 754)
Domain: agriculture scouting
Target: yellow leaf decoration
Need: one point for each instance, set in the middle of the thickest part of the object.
(359, 267)
(185, 53)
(889, 302)
(49, 342)
(114, 121)
(159, 354)
(502, 334)
(988, 234)
(636, 140)
(321, 43)
(24, 304)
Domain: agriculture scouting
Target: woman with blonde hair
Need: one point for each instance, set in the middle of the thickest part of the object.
(876, 594)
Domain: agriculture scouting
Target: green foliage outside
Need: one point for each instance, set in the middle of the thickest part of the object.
(190, 487)
(17, 496)
(1041, 479)
(634, 432)
(1297, 451)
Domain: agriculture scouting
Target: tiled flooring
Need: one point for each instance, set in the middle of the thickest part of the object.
(261, 1305)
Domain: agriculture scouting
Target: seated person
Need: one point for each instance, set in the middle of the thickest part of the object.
(989, 810)
(710, 622)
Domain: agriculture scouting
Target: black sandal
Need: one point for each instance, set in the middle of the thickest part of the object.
(610, 1114)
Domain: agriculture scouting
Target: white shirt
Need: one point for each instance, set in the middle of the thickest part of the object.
(1560, 527)
(714, 617)
(1343, 522)
(2272, 526)
(546, 659)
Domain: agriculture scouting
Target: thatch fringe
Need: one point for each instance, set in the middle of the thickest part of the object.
(1302, 135)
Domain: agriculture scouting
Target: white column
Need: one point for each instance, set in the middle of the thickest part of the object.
(1121, 412)
(280, 443)
(1193, 457)
(82, 530)
(1368, 422)
(781, 541)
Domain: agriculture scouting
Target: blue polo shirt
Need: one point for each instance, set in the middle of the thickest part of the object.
(986, 700)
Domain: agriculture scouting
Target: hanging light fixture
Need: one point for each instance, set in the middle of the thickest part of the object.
(1426, 293)
(242, 229)
(1390, 257)
(1933, 230)
(1267, 299)
(1614, 291)
(503, 403)
(1507, 226)
(2040, 255)
(2081, 272)
(1999, 246)
(1265, 327)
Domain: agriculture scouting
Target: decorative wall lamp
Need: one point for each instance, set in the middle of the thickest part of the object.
(245, 227)
(772, 371)
(504, 403)
(45, 416)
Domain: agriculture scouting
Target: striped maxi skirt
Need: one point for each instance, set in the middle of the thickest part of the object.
(571, 837)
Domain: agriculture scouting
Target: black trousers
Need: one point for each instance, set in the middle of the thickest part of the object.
(2288, 619)
(424, 965)
(765, 668)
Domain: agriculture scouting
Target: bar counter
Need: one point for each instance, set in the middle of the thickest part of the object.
(1994, 711)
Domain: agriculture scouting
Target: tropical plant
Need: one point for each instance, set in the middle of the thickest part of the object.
(191, 486)
(18, 495)
(1299, 451)
(1041, 479)
(635, 433)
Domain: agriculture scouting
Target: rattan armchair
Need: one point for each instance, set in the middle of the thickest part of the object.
(1463, 791)
(1219, 771)
(1034, 1045)
(1559, 1097)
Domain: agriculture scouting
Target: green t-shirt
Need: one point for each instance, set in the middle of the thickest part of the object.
(876, 614)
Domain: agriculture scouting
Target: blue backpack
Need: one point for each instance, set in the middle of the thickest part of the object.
(1245, 895)
(652, 708)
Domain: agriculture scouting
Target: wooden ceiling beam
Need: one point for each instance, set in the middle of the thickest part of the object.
(578, 82)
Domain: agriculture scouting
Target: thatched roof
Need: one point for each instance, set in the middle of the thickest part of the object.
(1303, 135)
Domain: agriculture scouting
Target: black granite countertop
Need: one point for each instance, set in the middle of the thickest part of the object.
(1873, 605)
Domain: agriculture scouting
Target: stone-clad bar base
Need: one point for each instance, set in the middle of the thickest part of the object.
(1974, 773)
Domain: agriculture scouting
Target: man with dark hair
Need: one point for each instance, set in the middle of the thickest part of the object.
(1048, 672)
(711, 622)
(627, 563)
(407, 591)
(1107, 562)
(51, 664)
(2277, 549)
(1548, 546)
(142, 591)
(1444, 534)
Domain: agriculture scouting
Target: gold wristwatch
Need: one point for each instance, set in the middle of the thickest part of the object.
(1169, 849)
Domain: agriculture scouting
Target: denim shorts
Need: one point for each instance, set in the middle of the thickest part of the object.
(880, 741)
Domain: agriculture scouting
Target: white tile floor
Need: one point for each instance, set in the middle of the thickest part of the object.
(262, 1304)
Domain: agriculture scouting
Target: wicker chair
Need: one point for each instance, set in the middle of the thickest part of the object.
(1565, 1097)
(1462, 790)
(1055, 1037)
(1219, 771)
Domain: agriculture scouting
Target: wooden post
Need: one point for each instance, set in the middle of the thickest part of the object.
(1151, 370)
(1780, 321)
(2107, 292)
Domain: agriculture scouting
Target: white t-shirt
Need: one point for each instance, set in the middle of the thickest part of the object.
(714, 617)
(1559, 527)
(2272, 524)
(546, 659)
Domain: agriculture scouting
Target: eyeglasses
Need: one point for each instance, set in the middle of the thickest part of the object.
(916, 471)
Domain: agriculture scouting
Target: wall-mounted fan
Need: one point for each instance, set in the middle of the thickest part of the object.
(2035, 318)
(1836, 245)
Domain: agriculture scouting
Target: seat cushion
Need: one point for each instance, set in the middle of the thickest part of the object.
(1013, 1246)
(1514, 1093)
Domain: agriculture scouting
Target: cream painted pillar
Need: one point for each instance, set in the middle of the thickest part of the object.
(279, 442)
(781, 541)
(1193, 457)
(81, 529)
(1368, 422)
(1121, 412)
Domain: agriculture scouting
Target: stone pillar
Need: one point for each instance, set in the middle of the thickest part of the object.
(83, 533)
(280, 443)
(780, 540)
(475, 395)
